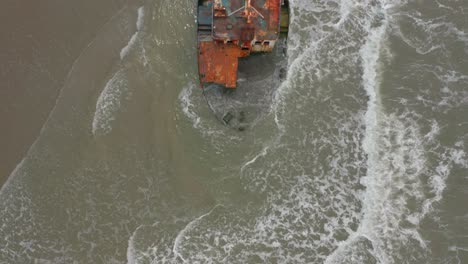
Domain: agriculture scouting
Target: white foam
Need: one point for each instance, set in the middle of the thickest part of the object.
(131, 254)
(125, 50)
(12, 175)
(188, 227)
(187, 106)
(397, 163)
(432, 33)
(109, 103)
(139, 25)
(374, 196)
(140, 19)
(448, 158)
(310, 208)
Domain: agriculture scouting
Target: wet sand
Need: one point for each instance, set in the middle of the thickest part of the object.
(41, 43)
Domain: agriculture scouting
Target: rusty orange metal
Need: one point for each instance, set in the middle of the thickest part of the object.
(233, 29)
(218, 63)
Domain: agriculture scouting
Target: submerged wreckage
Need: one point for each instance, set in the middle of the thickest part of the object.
(233, 29)
(229, 31)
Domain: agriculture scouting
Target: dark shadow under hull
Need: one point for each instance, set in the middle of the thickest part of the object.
(259, 77)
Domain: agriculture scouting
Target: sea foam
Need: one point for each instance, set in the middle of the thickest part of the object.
(108, 103)
(139, 26)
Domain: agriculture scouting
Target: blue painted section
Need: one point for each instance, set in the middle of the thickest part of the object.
(227, 5)
(205, 16)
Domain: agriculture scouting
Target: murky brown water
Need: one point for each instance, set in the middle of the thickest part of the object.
(358, 156)
(40, 42)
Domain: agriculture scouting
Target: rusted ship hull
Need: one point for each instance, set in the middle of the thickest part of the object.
(232, 29)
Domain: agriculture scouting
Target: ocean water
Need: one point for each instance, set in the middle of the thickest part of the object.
(359, 155)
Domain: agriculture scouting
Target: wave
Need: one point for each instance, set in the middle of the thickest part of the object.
(188, 106)
(346, 180)
(139, 27)
(109, 103)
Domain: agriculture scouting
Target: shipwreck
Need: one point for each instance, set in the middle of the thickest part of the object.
(232, 29)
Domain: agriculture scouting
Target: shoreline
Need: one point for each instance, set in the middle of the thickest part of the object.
(40, 54)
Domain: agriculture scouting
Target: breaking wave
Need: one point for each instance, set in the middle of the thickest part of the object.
(357, 189)
(139, 27)
(187, 105)
(350, 174)
(109, 103)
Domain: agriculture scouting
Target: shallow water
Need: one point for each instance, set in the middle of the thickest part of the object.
(358, 157)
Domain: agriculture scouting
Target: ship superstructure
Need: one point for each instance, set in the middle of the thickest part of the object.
(233, 29)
